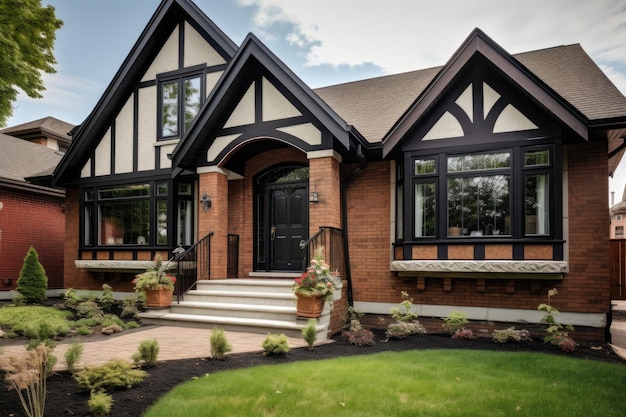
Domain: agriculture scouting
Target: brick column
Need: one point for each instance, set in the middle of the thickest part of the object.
(214, 184)
(325, 179)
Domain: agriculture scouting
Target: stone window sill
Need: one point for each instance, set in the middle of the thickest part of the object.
(117, 266)
(481, 269)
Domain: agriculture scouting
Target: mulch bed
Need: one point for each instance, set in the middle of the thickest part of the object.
(64, 398)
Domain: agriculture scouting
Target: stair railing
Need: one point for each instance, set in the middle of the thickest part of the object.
(192, 265)
(335, 251)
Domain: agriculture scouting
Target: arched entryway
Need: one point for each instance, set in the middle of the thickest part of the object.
(281, 218)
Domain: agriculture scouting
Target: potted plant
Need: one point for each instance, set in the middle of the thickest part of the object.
(156, 283)
(314, 288)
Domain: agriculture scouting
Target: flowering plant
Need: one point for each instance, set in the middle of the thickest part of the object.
(155, 277)
(316, 281)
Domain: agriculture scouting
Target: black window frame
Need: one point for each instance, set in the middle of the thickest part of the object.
(178, 77)
(518, 171)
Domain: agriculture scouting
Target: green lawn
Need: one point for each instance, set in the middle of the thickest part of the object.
(27, 320)
(414, 383)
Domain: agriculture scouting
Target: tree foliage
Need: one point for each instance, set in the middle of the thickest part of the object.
(33, 282)
(27, 35)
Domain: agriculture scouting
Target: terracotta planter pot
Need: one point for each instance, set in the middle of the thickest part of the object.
(310, 307)
(160, 298)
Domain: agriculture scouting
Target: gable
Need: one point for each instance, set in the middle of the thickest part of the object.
(480, 106)
(259, 98)
(123, 127)
(481, 52)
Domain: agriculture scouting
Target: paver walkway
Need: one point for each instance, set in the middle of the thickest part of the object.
(174, 343)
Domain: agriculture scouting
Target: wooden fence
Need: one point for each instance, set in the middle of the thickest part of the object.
(618, 269)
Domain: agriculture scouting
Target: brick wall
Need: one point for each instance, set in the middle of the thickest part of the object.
(28, 219)
(585, 289)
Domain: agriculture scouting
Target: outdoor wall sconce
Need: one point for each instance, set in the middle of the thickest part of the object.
(313, 197)
(205, 201)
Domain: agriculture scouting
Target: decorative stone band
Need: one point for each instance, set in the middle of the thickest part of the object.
(481, 269)
(118, 266)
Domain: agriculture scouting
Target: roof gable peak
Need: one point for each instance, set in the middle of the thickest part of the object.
(479, 43)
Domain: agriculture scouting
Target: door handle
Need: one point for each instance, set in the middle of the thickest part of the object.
(273, 233)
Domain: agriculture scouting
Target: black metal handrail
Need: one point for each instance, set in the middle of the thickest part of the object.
(192, 265)
(335, 250)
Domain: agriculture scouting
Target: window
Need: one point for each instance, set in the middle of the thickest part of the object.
(135, 214)
(502, 193)
(478, 194)
(180, 99)
(619, 232)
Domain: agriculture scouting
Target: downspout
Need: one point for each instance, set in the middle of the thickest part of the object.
(344, 220)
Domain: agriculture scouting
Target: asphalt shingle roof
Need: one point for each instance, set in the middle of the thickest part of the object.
(374, 105)
(21, 159)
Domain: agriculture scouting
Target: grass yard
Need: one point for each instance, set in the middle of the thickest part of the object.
(414, 383)
(28, 320)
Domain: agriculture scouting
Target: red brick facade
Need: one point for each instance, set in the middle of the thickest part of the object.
(30, 219)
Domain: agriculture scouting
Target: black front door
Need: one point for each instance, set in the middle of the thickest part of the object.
(289, 226)
(281, 217)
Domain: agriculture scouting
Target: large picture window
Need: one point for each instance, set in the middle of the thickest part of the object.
(497, 194)
(180, 101)
(130, 214)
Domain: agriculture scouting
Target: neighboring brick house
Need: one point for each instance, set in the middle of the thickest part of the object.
(476, 186)
(617, 213)
(31, 210)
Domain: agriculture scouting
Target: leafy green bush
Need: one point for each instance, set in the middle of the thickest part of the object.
(115, 374)
(32, 282)
(100, 403)
(89, 309)
(83, 330)
(72, 355)
(309, 333)
(130, 305)
(511, 335)
(557, 334)
(147, 352)
(403, 329)
(132, 324)
(456, 321)
(41, 330)
(219, 344)
(106, 299)
(275, 345)
(71, 299)
(404, 312)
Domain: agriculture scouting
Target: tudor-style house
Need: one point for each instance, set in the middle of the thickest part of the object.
(476, 186)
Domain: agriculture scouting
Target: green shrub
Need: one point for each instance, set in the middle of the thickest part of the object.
(132, 324)
(71, 299)
(147, 352)
(110, 319)
(106, 299)
(404, 312)
(89, 309)
(100, 404)
(403, 329)
(456, 321)
(115, 374)
(511, 335)
(351, 314)
(275, 345)
(32, 282)
(87, 322)
(83, 330)
(219, 344)
(72, 355)
(309, 333)
(41, 330)
(557, 333)
(130, 306)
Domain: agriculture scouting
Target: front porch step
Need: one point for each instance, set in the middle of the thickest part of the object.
(245, 305)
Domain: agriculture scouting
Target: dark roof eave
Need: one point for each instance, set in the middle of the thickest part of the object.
(26, 186)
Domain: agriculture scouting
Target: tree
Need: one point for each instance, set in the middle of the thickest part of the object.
(33, 282)
(27, 35)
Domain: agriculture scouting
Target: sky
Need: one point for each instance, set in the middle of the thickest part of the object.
(328, 42)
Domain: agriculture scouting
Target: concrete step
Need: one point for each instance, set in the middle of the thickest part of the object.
(291, 328)
(228, 309)
(242, 297)
(277, 286)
